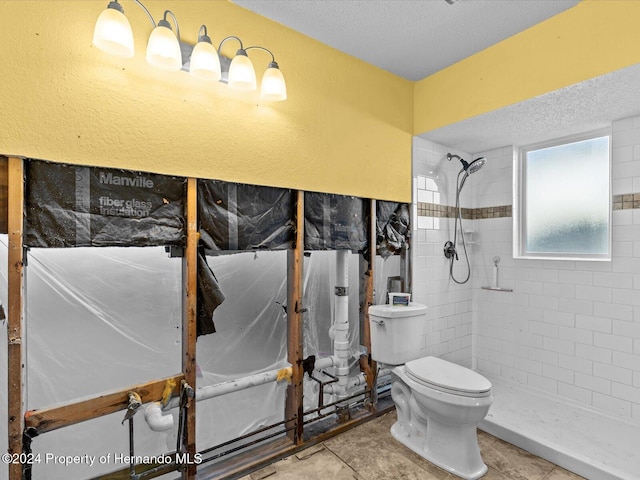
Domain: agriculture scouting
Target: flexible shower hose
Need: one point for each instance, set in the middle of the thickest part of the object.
(458, 219)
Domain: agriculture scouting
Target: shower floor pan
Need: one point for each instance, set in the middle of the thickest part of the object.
(588, 442)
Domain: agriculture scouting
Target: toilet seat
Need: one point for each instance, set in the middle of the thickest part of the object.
(438, 374)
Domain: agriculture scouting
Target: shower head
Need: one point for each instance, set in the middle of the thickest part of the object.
(476, 165)
(472, 167)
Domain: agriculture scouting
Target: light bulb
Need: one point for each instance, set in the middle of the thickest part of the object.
(205, 63)
(163, 49)
(273, 86)
(112, 33)
(242, 76)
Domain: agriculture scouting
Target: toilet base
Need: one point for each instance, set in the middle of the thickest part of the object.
(417, 441)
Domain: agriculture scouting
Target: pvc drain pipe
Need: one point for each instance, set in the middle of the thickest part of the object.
(153, 409)
(155, 418)
(341, 322)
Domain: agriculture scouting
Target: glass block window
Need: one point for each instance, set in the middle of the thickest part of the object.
(564, 199)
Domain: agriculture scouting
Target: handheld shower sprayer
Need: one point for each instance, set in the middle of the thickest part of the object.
(450, 251)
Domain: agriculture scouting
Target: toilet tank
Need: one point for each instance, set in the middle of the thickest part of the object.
(397, 332)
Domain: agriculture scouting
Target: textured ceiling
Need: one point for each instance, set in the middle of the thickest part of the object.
(582, 107)
(411, 38)
(415, 38)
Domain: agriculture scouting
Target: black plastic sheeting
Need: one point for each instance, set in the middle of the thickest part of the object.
(209, 295)
(335, 222)
(393, 227)
(239, 217)
(76, 206)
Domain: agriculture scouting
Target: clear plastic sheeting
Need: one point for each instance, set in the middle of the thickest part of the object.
(100, 319)
(392, 227)
(235, 216)
(76, 206)
(335, 222)
(104, 319)
(251, 337)
(387, 272)
(97, 447)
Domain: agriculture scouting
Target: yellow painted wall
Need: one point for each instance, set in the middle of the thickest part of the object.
(346, 127)
(591, 39)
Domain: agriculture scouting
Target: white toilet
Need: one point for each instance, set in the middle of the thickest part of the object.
(439, 403)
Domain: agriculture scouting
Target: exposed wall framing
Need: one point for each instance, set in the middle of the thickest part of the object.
(189, 323)
(15, 315)
(4, 194)
(52, 418)
(370, 366)
(299, 433)
(295, 310)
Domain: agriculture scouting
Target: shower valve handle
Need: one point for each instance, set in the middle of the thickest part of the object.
(450, 250)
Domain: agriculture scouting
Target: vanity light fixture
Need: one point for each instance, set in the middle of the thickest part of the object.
(165, 50)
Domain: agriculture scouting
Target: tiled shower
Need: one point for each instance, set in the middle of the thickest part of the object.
(569, 329)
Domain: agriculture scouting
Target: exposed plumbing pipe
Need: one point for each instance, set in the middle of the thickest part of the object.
(325, 362)
(359, 380)
(340, 360)
(341, 322)
(155, 419)
(341, 354)
(353, 382)
(211, 391)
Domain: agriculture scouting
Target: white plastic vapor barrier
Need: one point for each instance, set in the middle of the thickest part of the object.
(251, 337)
(101, 319)
(385, 268)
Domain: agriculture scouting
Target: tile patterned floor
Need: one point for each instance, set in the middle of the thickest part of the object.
(369, 452)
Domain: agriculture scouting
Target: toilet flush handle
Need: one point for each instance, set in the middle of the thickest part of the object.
(378, 321)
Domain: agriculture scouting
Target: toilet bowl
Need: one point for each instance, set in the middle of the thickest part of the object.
(439, 404)
(438, 415)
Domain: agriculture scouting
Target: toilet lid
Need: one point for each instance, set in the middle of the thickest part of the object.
(439, 373)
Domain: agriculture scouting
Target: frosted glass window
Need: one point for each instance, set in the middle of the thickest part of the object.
(565, 199)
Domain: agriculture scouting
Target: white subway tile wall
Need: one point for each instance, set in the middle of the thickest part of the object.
(449, 317)
(570, 328)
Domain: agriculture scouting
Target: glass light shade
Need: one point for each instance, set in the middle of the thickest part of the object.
(205, 63)
(273, 86)
(242, 76)
(163, 49)
(113, 34)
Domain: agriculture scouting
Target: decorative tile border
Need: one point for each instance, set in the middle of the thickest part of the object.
(620, 202)
(448, 211)
(492, 212)
(626, 201)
